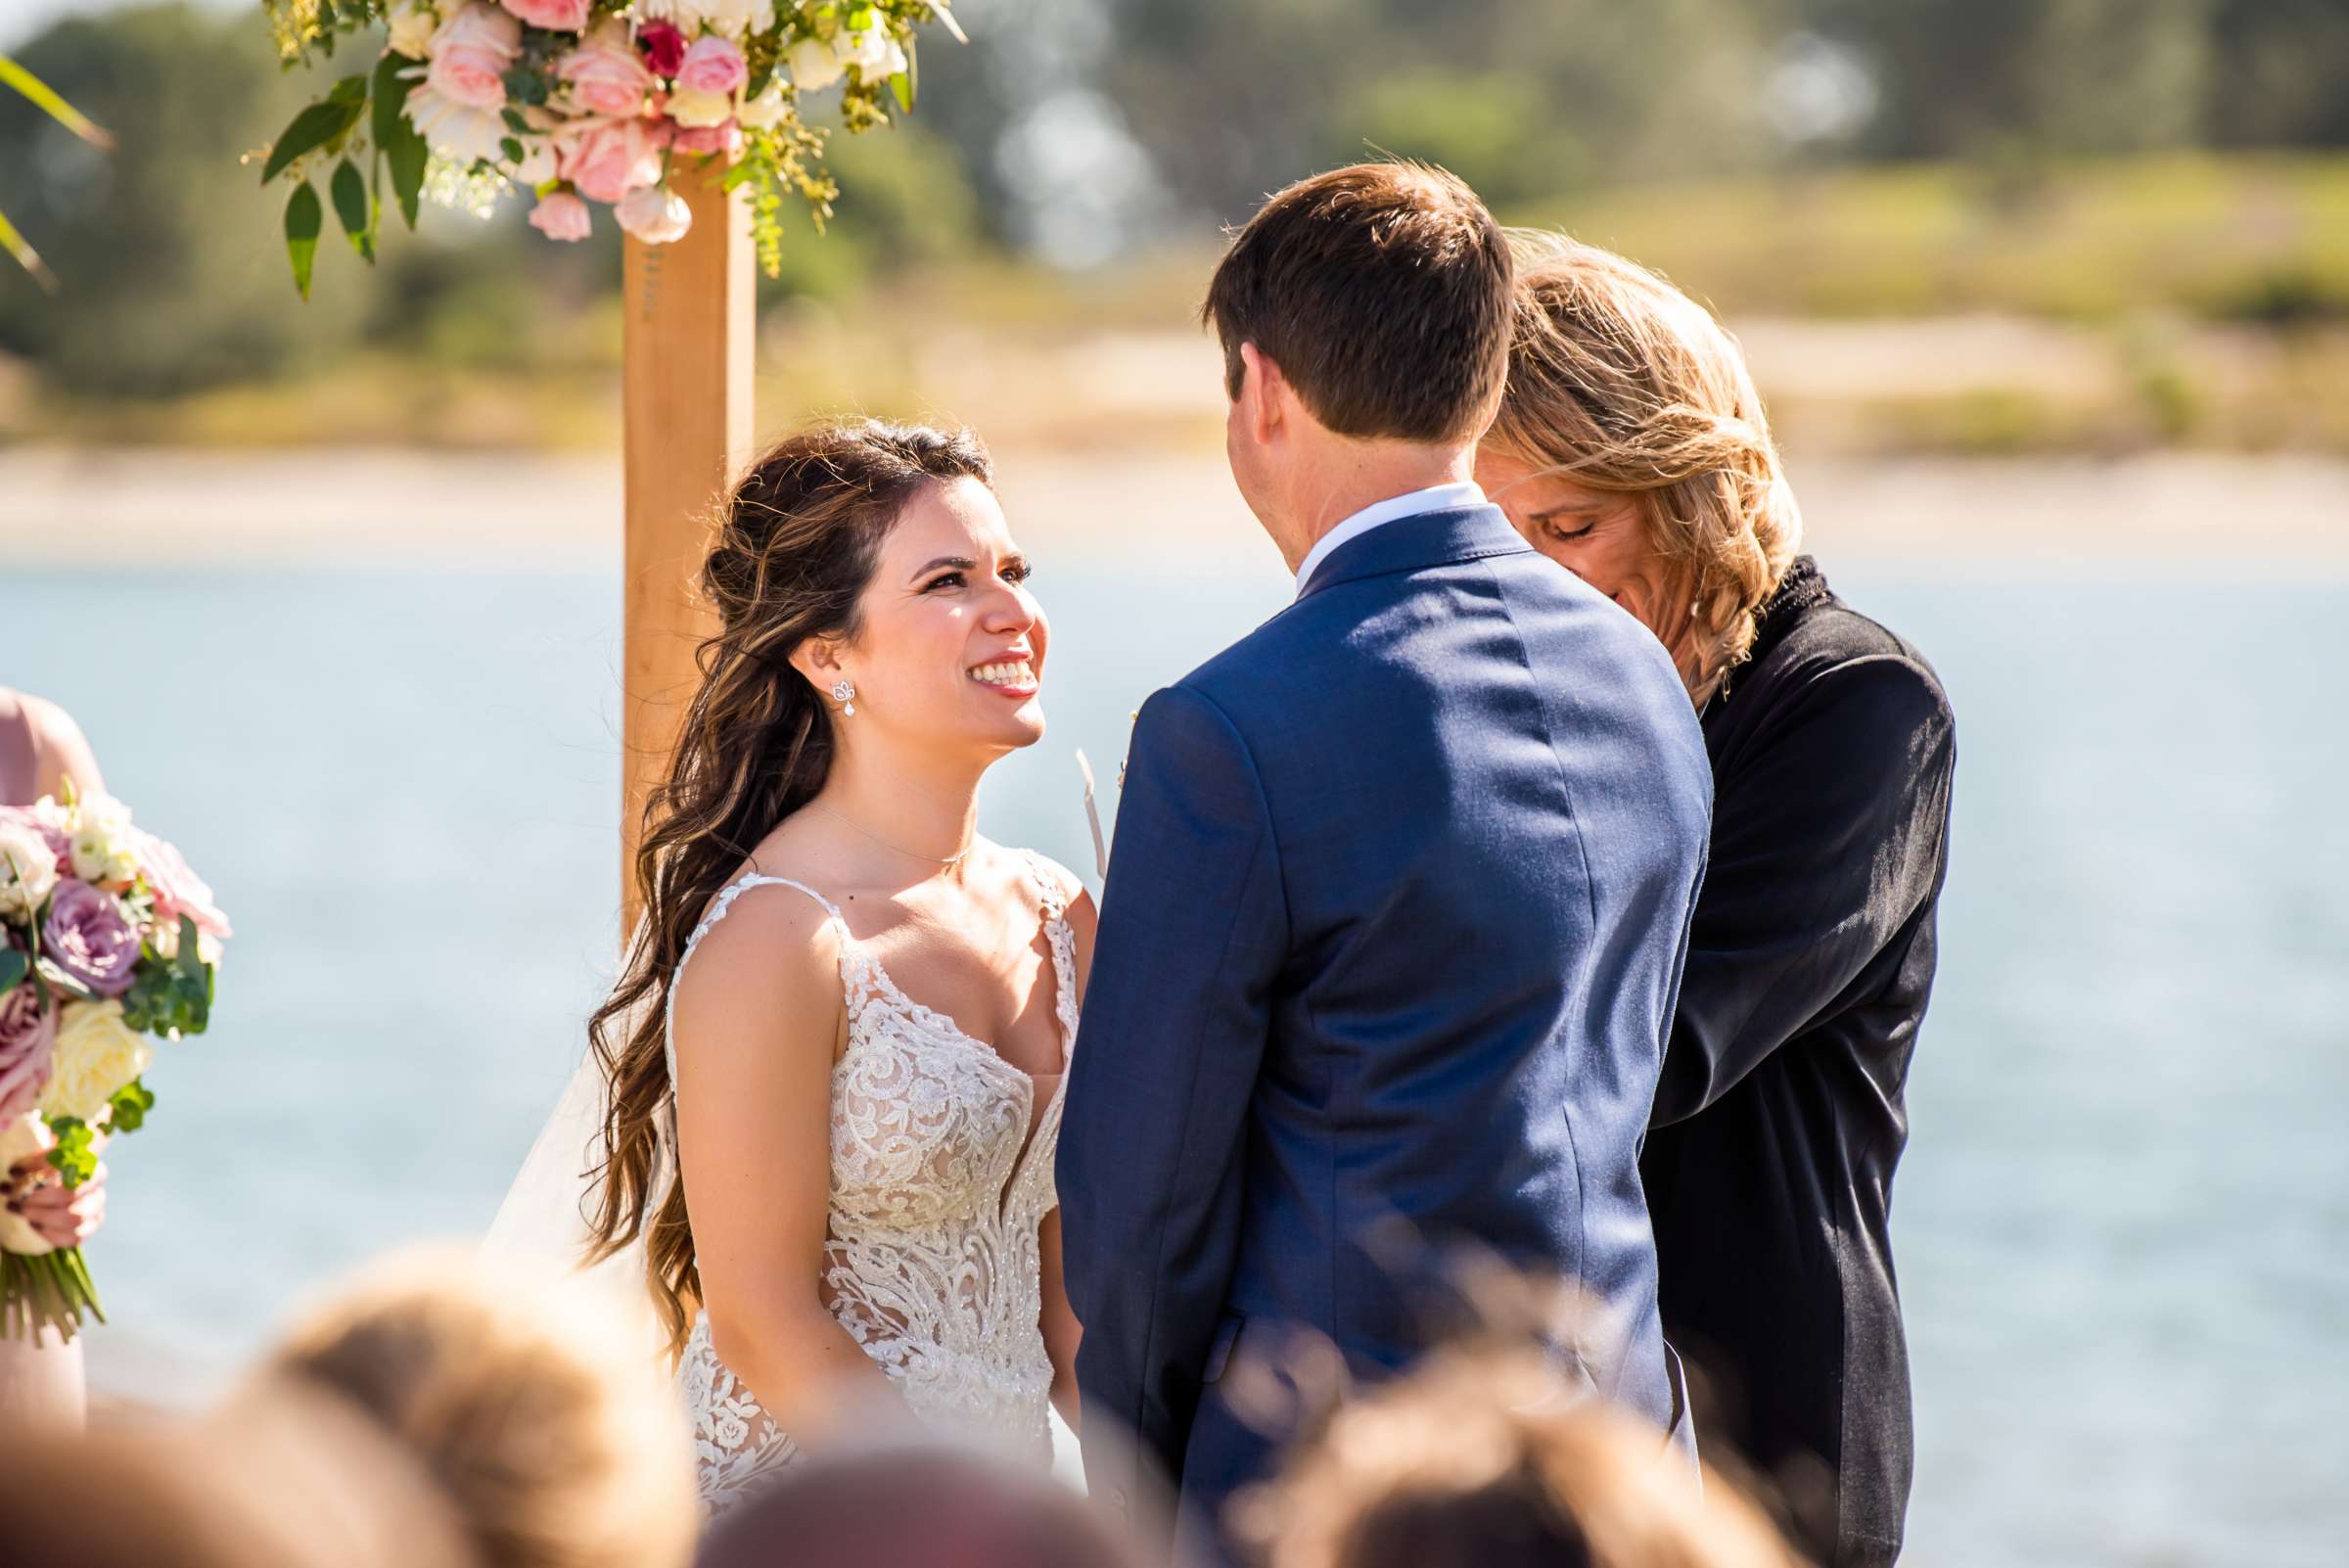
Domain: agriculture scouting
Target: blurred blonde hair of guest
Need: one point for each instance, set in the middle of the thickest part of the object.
(287, 1477)
(924, 1504)
(544, 1423)
(1494, 1460)
(1632, 448)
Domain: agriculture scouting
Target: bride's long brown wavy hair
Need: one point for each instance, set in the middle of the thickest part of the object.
(793, 551)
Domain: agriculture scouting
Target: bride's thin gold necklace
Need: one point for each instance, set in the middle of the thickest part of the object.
(949, 861)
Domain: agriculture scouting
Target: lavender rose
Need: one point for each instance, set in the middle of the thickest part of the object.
(28, 1032)
(90, 937)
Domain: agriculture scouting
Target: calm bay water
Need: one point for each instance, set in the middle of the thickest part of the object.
(2122, 1226)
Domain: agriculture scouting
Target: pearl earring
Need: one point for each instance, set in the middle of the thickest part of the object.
(844, 693)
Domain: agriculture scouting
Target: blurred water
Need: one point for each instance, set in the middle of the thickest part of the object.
(2122, 1228)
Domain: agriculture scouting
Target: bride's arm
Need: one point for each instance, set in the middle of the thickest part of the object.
(760, 1019)
(1062, 1331)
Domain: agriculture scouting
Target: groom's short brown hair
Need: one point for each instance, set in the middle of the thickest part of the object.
(1383, 293)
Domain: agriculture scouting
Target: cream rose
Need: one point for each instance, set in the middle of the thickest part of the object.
(412, 27)
(695, 111)
(28, 871)
(96, 1054)
(813, 65)
(767, 109)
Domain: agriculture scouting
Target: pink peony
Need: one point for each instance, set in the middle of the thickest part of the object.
(470, 57)
(606, 159)
(605, 74)
(664, 47)
(567, 15)
(726, 138)
(177, 890)
(28, 1033)
(90, 937)
(713, 65)
(560, 215)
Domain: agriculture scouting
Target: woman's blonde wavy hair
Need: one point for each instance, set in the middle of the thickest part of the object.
(1620, 383)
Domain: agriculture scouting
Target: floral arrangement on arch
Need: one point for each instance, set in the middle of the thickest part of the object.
(582, 102)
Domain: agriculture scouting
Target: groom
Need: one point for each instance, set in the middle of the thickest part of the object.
(1394, 921)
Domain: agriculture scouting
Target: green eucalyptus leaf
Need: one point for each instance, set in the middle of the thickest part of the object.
(14, 967)
(350, 90)
(388, 96)
(407, 155)
(308, 131)
(127, 1110)
(303, 219)
(73, 1157)
(350, 191)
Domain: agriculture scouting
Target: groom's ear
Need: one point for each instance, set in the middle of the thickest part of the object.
(1264, 394)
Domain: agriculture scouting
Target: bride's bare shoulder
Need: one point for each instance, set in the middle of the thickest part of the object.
(768, 961)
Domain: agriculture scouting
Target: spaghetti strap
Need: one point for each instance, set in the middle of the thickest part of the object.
(1055, 899)
(716, 912)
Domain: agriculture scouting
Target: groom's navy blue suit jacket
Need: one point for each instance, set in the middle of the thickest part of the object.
(1388, 953)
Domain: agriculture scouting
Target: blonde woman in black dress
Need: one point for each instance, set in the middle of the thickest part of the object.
(1631, 450)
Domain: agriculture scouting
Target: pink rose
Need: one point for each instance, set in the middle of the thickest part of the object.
(177, 888)
(726, 138)
(28, 1032)
(50, 831)
(606, 159)
(664, 47)
(470, 57)
(713, 65)
(560, 215)
(605, 74)
(567, 16)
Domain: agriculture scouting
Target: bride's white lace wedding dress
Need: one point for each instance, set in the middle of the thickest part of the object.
(941, 1173)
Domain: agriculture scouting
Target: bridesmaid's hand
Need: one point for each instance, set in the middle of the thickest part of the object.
(65, 1216)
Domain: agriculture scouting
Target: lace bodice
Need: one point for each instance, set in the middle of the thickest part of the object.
(942, 1175)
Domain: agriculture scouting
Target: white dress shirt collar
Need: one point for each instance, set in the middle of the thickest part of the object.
(1436, 498)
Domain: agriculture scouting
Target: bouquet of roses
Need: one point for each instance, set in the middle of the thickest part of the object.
(107, 941)
(582, 101)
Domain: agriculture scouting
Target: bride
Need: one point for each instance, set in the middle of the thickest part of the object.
(844, 1021)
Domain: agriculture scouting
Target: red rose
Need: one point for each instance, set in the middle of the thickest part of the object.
(664, 47)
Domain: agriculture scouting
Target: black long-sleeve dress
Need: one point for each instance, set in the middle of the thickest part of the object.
(1779, 1116)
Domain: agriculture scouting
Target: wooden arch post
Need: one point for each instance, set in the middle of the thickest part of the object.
(685, 408)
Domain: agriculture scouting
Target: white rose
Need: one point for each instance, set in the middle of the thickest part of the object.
(813, 65)
(737, 19)
(22, 1140)
(28, 871)
(97, 1054)
(457, 132)
(655, 215)
(102, 853)
(868, 51)
(699, 110)
(412, 27)
(767, 109)
(683, 14)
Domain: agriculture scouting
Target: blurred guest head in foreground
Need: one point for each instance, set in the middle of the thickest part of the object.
(920, 1505)
(284, 1477)
(1495, 1458)
(1632, 448)
(546, 1427)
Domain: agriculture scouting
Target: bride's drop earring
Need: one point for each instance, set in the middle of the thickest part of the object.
(844, 693)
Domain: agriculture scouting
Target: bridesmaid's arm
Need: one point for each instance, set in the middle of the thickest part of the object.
(60, 753)
(1061, 1329)
(758, 1023)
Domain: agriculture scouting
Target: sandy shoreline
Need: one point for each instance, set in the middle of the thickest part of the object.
(2226, 515)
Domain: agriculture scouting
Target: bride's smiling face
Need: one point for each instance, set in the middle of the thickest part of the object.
(951, 648)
